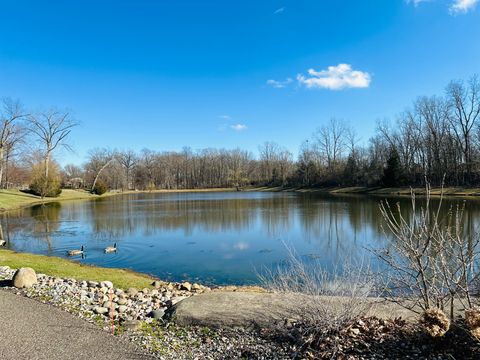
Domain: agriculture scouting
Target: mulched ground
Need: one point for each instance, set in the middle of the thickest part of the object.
(373, 338)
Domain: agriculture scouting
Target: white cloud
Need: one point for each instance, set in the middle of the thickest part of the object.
(225, 117)
(416, 2)
(238, 127)
(456, 7)
(337, 77)
(279, 11)
(279, 84)
(463, 6)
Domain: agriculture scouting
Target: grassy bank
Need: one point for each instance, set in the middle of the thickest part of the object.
(69, 269)
(14, 199)
(402, 191)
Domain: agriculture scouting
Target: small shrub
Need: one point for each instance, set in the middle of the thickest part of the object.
(100, 188)
(435, 321)
(431, 263)
(45, 186)
(326, 303)
(472, 318)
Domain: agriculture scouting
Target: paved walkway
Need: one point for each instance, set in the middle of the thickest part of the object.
(35, 331)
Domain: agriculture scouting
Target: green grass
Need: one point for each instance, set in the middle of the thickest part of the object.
(69, 269)
(14, 199)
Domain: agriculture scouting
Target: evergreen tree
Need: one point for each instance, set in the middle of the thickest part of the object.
(351, 171)
(393, 173)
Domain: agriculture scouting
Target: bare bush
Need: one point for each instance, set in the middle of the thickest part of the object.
(326, 303)
(431, 263)
(435, 322)
(472, 319)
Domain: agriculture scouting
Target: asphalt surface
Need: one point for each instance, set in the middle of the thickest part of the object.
(35, 331)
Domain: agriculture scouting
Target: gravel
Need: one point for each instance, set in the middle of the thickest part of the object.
(137, 314)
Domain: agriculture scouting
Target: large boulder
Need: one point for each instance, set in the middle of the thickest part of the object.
(220, 309)
(24, 278)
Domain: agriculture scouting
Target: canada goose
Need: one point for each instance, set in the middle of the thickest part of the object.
(110, 249)
(75, 252)
(3, 242)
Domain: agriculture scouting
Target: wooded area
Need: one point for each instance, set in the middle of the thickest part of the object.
(437, 137)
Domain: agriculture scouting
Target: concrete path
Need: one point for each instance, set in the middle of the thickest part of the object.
(35, 331)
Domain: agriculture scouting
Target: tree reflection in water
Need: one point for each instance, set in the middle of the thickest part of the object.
(220, 236)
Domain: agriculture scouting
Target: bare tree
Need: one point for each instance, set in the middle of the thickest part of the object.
(331, 142)
(11, 132)
(268, 156)
(51, 129)
(433, 127)
(128, 160)
(464, 104)
(98, 161)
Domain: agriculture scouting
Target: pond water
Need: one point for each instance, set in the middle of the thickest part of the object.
(217, 238)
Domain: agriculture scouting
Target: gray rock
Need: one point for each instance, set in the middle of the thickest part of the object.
(132, 325)
(196, 287)
(107, 284)
(177, 299)
(109, 304)
(122, 301)
(157, 284)
(186, 286)
(24, 278)
(93, 283)
(100, 310)
(122, 309)
(132, 291)
(233, 309)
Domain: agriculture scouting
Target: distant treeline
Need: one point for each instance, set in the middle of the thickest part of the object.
(436, 138)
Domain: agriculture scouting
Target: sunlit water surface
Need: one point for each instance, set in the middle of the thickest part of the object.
(218, 238)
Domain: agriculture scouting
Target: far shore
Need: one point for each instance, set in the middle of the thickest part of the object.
(14, 199)
(361, 190)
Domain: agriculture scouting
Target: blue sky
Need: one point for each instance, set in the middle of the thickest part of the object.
(168, 74)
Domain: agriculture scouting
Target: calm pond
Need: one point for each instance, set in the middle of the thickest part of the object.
(219, 238)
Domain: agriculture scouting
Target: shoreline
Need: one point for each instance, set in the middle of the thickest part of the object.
(17, 196)
(17, 200)
(121, 277)
(376, 191)
(177, 321)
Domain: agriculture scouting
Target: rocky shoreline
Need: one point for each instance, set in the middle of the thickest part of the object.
(101, 298)
(141, 315)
